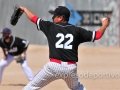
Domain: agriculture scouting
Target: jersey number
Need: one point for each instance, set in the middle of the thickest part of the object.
(62, 37)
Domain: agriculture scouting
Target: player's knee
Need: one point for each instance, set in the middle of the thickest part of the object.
(24, 65)
(3, 64)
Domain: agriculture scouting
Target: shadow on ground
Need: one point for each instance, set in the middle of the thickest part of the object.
(13, 84)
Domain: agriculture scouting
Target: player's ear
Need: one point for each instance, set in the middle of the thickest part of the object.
(61, 18)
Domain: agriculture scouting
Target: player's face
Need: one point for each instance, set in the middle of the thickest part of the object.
(57, 18)
(5, 36)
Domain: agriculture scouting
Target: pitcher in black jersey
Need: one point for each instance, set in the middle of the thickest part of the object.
(63, 40)
(13, 46)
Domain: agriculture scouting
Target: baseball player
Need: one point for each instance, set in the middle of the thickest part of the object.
(14, 46)
(63, 40)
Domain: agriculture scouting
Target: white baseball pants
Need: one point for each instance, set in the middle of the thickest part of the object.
(52, 71)
(4, 63)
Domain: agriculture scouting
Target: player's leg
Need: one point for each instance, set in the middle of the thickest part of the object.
(41, 79)
(27, 70)
(4, 63)
(73, 84)
(72, 80)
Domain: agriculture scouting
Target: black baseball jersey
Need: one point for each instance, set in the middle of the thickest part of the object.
(15, 47)
(64, 39)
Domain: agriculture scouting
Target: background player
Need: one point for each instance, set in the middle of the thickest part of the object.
(63, 39)
(13, 46)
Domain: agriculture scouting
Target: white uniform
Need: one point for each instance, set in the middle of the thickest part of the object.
(16, 47)
(4, 63)
(52, 71)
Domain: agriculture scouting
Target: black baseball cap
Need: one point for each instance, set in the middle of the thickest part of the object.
(6, 31)
(61, 10)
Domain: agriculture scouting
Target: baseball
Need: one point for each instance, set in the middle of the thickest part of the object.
(103, 19)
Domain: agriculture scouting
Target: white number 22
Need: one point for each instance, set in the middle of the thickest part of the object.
(62, 37)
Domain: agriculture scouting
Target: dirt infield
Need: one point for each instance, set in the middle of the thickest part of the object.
(98, 69)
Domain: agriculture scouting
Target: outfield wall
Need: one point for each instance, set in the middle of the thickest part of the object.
(26, 29)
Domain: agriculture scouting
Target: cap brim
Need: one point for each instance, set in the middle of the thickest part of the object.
(52, 12)
(4, 33)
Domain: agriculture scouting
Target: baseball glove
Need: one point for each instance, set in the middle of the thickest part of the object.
(18, 58)
(16, 15)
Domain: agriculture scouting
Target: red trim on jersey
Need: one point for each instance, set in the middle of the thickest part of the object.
(59, 61)
(98, 35)
(34, 19)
